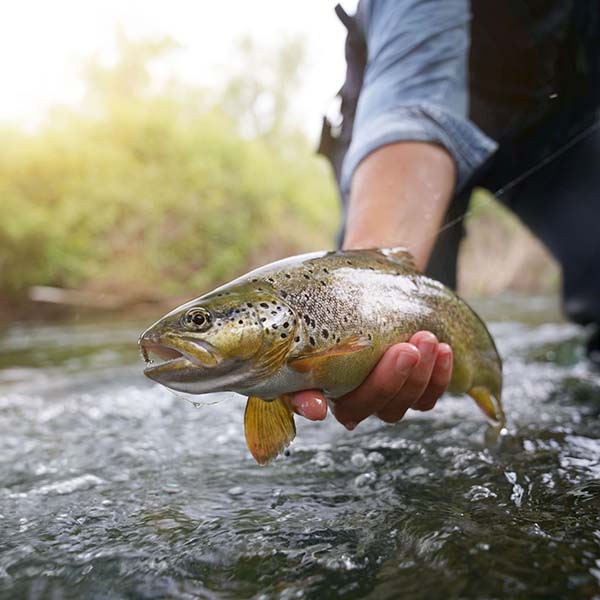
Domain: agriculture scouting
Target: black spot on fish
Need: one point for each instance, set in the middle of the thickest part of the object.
(348, 262)
(240, 322)
(307, 319)
(254, 280)
(297, 338)
(263, 319)
(325, 333)
(249, 304)
(306, 276)
(286, 452)
(369, 336)
(283, 294)
(288, 276)
(345, 319)
(270, 280)
(275, 326)
(264, 305)
(311, 340)
(284, 335)
(273, 312)
(323, 283)
(337, 340)
(325, 270)
(312, 323)
(259, 289)
(286, 324)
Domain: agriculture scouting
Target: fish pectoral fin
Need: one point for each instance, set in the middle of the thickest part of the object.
(314, 361)
(490, 405)
(269, 427)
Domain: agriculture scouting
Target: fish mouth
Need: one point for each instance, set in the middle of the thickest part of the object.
(177, 353)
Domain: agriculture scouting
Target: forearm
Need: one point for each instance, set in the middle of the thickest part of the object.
(399, 196)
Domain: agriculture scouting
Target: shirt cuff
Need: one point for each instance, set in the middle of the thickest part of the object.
(423, 122)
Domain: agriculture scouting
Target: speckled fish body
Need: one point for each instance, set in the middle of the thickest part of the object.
(322, 321)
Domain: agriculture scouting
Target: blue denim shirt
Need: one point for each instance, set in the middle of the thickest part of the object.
(415, 84)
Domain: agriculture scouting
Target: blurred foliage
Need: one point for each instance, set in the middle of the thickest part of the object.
(500, 253)
(153, 190)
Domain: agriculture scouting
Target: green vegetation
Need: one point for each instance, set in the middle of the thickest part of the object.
(150, 192)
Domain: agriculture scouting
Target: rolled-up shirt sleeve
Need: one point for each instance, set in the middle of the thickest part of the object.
(415, 86)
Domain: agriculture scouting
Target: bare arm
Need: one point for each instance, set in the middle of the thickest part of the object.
(400, 194)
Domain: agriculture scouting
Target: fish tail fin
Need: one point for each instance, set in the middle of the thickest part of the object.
(269, 427)
(490, 403)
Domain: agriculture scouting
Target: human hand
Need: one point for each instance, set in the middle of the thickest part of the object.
(409, 375)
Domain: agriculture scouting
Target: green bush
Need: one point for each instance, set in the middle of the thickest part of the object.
(153, 193)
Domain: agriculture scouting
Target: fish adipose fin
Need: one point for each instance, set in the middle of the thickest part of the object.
(315, 361)
(490, 405)
(269, 426)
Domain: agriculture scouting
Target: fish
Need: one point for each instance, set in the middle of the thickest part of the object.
(315, 321)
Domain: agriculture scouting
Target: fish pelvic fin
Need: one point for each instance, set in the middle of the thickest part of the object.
(269, 427)
(490, 404)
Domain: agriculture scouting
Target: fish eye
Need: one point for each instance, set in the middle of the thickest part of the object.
(197, 319)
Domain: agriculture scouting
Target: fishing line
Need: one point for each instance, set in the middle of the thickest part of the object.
(147, 360)
(523, 176)
(194, 402)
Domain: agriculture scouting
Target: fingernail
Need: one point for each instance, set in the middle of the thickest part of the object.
(303, 407)
(350, 425)
(306, 406)
(445, 360)
(406, 361)
(427, 347)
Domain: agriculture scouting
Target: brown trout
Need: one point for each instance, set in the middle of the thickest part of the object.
(319, 320)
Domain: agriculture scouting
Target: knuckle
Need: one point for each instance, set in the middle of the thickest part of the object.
(389, 417)
(381, 388)
(417, 384)
(436, 390)
(426, 404)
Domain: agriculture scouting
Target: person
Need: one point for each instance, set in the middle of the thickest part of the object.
(440, 97)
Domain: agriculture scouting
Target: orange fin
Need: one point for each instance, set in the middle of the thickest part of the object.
(490, 405)
(315, 360)
(269, 427)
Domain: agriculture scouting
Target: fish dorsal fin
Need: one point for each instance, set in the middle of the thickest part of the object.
(269, 427)
(400, 255)
(397, 254)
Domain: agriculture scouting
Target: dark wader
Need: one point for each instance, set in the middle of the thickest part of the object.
(559, 202)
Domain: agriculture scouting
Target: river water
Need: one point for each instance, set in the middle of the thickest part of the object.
(113, 487)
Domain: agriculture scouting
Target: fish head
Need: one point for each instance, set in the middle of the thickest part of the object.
(222, 341)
